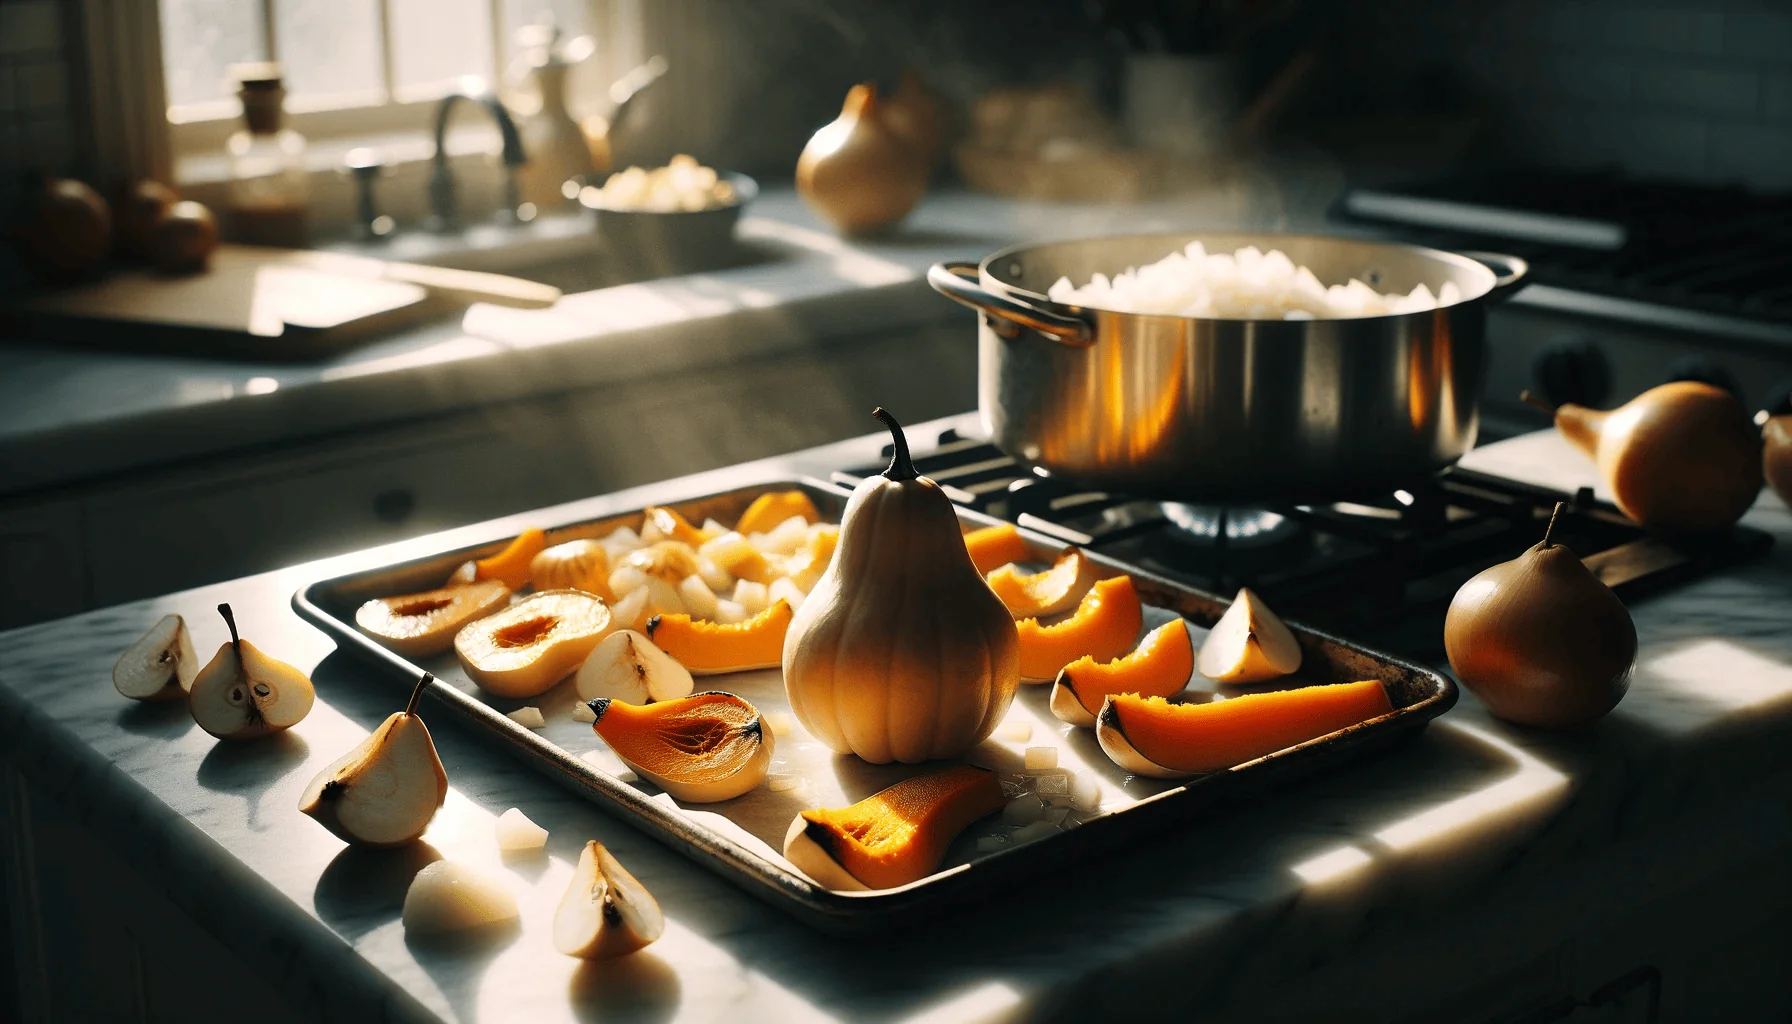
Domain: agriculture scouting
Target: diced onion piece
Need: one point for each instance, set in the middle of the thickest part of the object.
(630, 612)
(1023, 809)
(698, 598)
(626, 579)
(662, 598)
(1085, 792)
(784, 538)
(1014, 730)
(1042, 757)
(784, 588)
(582, 712)
(446, 897)
(1037, 830)
(528, 717)
(517, 834)
(620, 542)
(1054, 787)
(718, 578)
(752, 596)
(606, 761)
(729, 612)
(712, 529)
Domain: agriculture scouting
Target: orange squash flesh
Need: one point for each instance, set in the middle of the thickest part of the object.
(1159, 667)
(702, 748)
(1213, 737)
(1103, 627)
(995, 546)
(707, 648)
(512, 564)
(772, 508)
(672, 526)
(899, 835)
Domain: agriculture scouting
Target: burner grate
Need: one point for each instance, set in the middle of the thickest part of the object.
(1382, 569)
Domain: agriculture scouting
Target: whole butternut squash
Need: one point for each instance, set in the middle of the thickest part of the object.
(901, 652)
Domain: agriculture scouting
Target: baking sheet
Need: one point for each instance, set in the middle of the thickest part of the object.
(741, 838)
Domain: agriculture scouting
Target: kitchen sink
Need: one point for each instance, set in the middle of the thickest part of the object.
(562, 250)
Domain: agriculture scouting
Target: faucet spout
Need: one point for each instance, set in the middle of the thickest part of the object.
(441, 179)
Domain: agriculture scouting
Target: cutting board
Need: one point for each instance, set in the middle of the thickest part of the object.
(257, 302)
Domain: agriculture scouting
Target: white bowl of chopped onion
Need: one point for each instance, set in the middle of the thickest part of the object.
(674, 217)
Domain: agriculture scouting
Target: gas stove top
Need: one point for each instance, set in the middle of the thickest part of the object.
(1380, 571)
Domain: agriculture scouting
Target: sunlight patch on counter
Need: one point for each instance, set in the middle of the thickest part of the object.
(1532, 788)
(1332, 866)
(1721, 673)
(987, 1003)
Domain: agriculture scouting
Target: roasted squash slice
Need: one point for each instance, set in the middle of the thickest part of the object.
(1103, 627)
(1052, 592)
(995, 546)
(896, 836)
(670, 526)
(423, 625)
(1150, 736)
(701, 749)
(510, 565)
(1158, 667)
(708, 648)
(772, 508)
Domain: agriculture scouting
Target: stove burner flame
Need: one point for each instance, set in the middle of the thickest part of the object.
(1244, 527)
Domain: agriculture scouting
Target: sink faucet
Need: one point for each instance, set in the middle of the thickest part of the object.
(441, 181)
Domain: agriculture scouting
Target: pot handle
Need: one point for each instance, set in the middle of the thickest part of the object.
(1509, 272)
(950, 280)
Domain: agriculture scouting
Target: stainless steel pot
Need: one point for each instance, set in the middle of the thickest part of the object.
(1229, 410)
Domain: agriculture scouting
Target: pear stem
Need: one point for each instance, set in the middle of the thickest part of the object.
(1551, 528)
(1529, 399)
(410, 707)
(902, 467)
(236, 642)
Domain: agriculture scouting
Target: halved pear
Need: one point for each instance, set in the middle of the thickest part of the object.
(446, 898)
(606, 912)
(533, 644)
(386, 790)
(1249, 644)
(242, 693)
(626, 666)
(160, 665)
(423, 625)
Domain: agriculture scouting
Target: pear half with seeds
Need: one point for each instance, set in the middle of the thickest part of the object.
(242, 693)
(160, 665)
(386, 791)
(606, 912)
(423, 625)
(1249, 644)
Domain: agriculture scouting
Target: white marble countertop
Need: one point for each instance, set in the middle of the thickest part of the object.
(71, 414)
(1374, 892)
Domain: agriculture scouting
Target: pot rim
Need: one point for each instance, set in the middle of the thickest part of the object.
(1491, 282)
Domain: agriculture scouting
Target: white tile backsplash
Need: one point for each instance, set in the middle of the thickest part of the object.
(1699, 91)
(34, 100)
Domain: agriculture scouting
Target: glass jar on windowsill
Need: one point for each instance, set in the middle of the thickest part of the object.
(269, 188)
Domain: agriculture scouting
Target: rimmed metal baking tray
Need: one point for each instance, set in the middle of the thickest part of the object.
(734, 851)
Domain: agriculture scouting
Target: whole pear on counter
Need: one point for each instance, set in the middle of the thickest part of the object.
(1682, 457)
(1540, 640)
(858, 172)
(386, 790)
(242, 693)
(1776, 456)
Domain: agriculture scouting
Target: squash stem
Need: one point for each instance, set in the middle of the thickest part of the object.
(410, 707)
(902, 467)
(1551, 528)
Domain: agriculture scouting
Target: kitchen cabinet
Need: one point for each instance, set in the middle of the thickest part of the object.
(182, 526)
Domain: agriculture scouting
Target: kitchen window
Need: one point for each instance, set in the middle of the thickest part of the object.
(354, 69)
